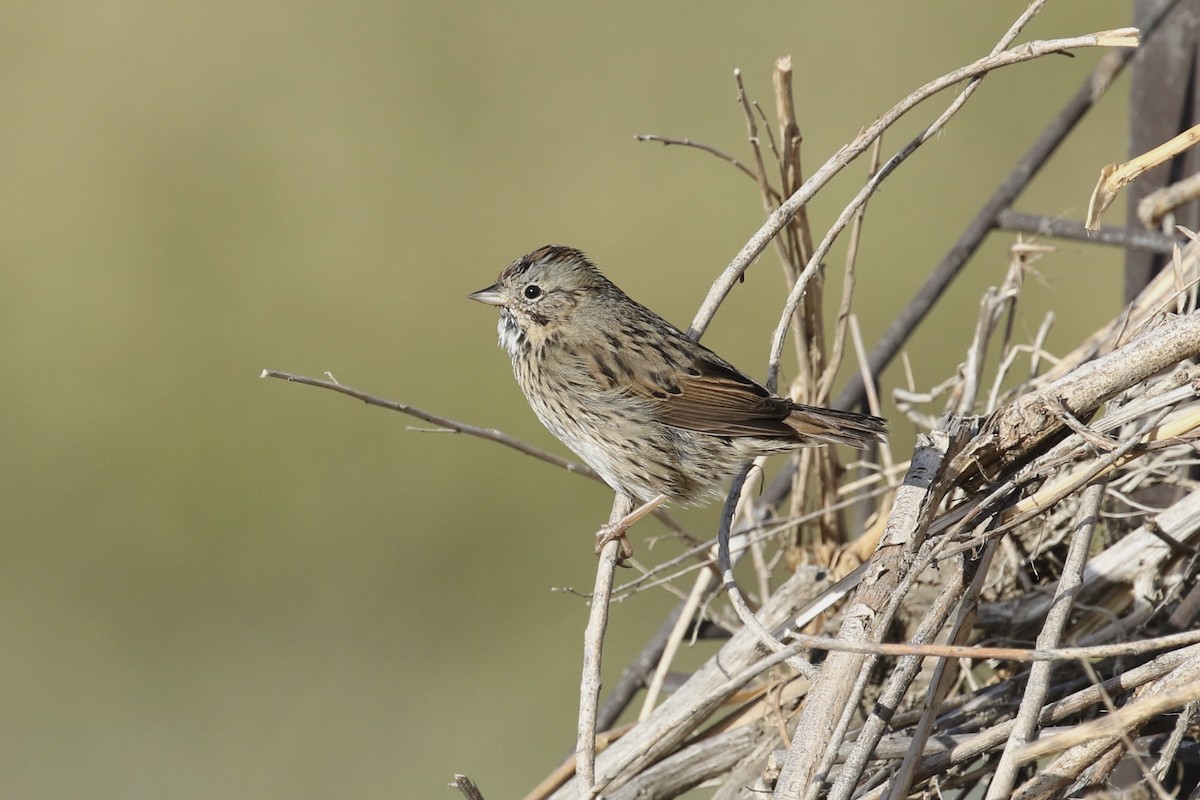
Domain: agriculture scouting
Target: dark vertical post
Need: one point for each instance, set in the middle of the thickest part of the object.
(1164, 101)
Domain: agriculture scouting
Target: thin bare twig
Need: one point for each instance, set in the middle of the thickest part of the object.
(688, 609)
(883, 173)
(1089, 93)
(1113, 236)
(893, 692)
(454, 426)
(491, 434)
(633, 677)
(707, 148)
(939, 682)
(1054, 713)
(1005, 773)
(1125, 37)
(1175, 691)
(725, 564)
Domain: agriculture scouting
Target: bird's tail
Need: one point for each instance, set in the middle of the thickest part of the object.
(836, 427)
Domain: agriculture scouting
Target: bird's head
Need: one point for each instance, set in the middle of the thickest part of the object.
(541, 291)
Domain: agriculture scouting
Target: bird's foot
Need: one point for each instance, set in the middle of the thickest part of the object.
(615, 532)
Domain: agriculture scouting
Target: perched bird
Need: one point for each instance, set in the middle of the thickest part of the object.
(657, 414)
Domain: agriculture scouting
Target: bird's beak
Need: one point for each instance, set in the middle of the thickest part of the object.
(491, 295)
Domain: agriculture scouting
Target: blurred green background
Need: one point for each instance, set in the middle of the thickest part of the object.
(218, 586)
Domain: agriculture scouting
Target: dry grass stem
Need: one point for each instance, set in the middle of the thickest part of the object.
(1115, 177)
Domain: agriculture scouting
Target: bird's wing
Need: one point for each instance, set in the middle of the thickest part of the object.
(709, 395)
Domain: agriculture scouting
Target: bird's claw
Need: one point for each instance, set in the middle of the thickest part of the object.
(613, 532)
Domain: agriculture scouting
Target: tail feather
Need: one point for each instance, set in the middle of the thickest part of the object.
(837, 427)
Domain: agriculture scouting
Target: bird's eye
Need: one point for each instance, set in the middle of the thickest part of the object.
(533, 291)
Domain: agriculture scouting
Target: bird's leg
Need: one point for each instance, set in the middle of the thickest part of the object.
(616, 530)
